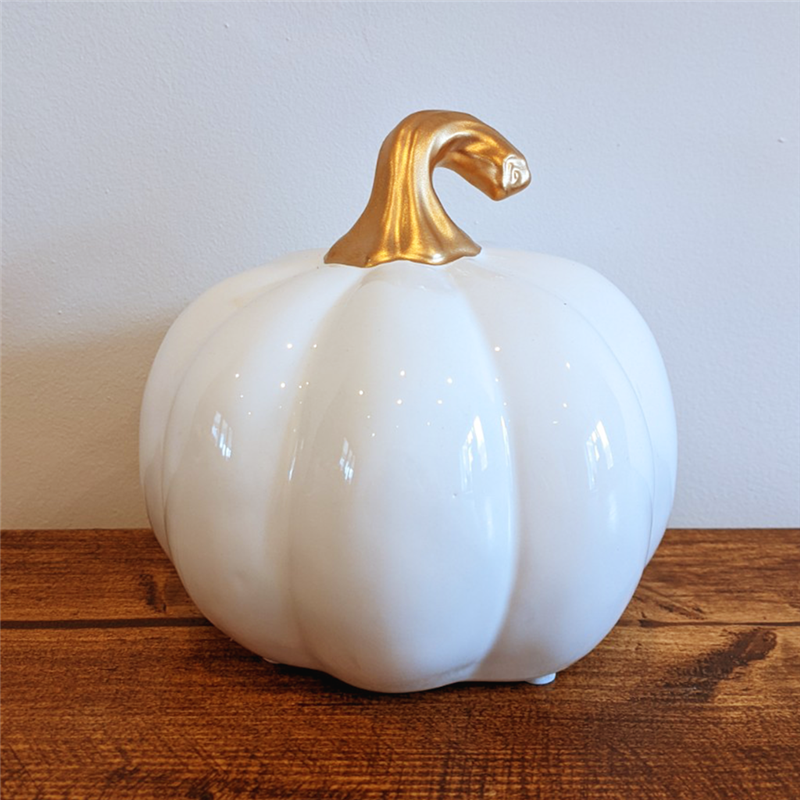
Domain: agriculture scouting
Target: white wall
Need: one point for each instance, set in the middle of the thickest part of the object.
(151, 150)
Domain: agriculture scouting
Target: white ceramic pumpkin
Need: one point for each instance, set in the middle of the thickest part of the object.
(412, 474)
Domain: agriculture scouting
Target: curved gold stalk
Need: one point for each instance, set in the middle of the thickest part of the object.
(404, 218)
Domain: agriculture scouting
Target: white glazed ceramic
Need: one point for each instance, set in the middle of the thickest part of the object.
(411, 475)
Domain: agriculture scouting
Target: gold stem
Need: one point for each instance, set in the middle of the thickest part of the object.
(404, 219)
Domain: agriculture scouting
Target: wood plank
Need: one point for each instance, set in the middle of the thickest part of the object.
(747, 576)
(113, 687)
(89, 575)
(708, 576)
(177, 711)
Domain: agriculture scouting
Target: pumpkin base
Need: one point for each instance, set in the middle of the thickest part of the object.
(543, 680)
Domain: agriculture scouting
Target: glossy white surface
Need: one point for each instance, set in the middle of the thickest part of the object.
(411, 475)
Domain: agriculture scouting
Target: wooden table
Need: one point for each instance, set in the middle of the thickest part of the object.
(113, 686)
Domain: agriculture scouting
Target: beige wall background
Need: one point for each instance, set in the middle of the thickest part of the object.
(151, 150)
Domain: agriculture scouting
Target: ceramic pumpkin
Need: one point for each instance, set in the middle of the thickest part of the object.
(409, 461)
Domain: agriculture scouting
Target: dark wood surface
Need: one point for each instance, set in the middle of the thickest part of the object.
(114, 686)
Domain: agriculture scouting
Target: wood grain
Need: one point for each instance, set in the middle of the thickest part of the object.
(114, 686)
